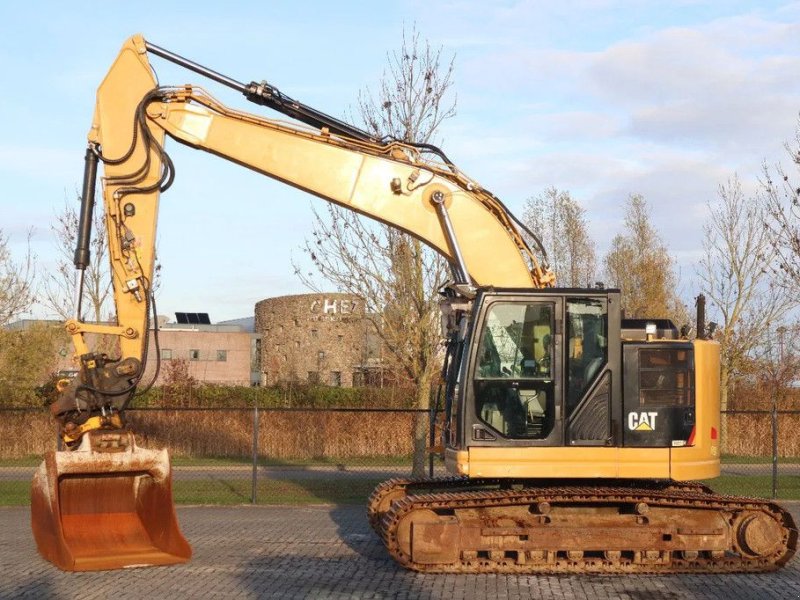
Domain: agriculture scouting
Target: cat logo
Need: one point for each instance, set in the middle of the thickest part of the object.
(643, 421)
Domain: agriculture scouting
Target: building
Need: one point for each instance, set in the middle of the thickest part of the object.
(223, 354)
(220, 354)
(316, 338)
(323, 339)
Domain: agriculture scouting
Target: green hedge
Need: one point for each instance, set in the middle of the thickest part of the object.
(295, 396)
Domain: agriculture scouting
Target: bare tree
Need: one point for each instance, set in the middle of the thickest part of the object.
(413, 97)
(60, 285)
(640, 265)
(16, 282)
(396, 275)
(778, 363)
(782, 194)
(560, 222)
(736, 276)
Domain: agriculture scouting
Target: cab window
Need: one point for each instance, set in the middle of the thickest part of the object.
(514, 391)
(587, 346)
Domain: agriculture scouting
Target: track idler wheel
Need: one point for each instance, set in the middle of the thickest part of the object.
(758, 534)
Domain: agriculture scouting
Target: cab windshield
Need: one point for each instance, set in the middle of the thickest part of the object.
(517, 342)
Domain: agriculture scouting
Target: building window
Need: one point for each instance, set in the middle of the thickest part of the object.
(222, 355)
(336, 378)
(313, 377)
(166, 354)
(358, 378)
(194, 354)
(255, 354)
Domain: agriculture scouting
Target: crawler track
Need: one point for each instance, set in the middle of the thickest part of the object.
(481, 526)
(393, 489)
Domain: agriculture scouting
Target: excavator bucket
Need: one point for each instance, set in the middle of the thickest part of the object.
(106, 505)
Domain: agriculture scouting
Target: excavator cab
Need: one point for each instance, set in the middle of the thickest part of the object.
(106, 505)
(558, 381)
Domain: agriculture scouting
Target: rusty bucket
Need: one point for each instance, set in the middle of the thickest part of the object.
(106, 505)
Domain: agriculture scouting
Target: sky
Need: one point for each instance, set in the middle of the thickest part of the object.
(601, 98)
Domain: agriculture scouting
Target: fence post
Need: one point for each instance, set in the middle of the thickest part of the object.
(253, 491)
(431, 438)
(774, 445)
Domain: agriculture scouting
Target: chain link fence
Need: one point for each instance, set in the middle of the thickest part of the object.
(301, 456)
(760, 454)
(253, 455)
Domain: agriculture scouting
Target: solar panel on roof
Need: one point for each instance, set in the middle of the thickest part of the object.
(190, 318)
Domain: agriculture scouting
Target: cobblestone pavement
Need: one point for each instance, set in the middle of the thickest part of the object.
(329, 552)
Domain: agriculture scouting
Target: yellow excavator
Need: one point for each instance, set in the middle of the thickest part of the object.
(572, 435)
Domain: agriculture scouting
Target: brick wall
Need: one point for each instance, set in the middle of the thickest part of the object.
(213, 356)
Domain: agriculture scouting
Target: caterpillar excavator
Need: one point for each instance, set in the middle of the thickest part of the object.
(572, 436)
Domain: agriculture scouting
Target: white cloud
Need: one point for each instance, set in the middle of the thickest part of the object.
(668, 112)
(585, 124)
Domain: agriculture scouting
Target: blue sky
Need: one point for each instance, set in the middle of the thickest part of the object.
(601, 98)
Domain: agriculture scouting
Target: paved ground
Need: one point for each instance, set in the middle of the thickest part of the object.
(329, 552)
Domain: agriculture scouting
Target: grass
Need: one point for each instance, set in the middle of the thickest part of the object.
(237, 491)
(759, 486)
(757, 460)
(339, 490)
(224, 461)
(15, 493)
(334, 489)
(284, 491)
(28, 461)
(361, 461)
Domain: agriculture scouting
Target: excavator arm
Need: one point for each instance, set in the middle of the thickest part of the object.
(107, 503)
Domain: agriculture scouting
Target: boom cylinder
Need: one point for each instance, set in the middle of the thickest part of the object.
(460, 265)
(269, 96)
(82, 249)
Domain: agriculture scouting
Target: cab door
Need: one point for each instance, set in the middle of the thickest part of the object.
(592, 374)
(515, 373)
